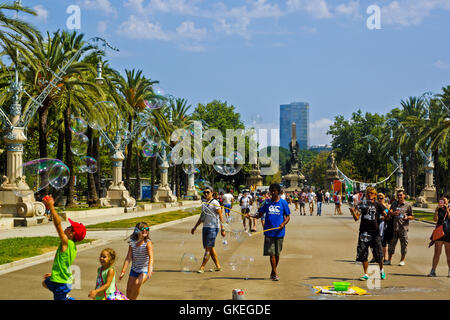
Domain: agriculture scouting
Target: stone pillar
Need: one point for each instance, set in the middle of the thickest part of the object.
(11, 203)
(428, 193)
(191, 190)
(164, 193)
(117, 195)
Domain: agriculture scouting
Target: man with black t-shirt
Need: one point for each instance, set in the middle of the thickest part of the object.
(369, 211)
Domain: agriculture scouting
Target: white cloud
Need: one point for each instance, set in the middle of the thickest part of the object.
(411, 12)
(318, 9)
(42, 13)
(351, 8)
(138, 28)
(165, 6)
(318, 132)
(187, 30)
(101, 5)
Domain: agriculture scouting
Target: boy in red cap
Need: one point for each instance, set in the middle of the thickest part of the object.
(59, 281)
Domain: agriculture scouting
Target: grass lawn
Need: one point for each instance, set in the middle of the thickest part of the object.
(422, 215)
(151, 220)
(19, 248)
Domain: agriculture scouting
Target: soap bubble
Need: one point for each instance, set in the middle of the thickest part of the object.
(233, 222)
(59, 175)
(365, 237)
(226, 166)
(188, 263)
(79, 144)
(88, 164)
(77, 125)
(154, 104)
(41, 173)
(256, 119)
(101, 115)
(150, 149)
(157, 90)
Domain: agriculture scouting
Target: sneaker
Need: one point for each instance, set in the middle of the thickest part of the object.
(433, 273)
(383, 275)
(364, 277)
(275, 278)
(402, 263)
(200, 271)
(387, 262)
(373, 260)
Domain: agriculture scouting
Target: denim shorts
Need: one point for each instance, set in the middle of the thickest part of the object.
(60, 290)
(227, 208)
(136, 274)
(209, 237)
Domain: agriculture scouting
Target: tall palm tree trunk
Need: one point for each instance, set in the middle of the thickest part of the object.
(96, 156)
(137, 193)
(93, 199)
(70, 190)
(60, 156)
(129, 156)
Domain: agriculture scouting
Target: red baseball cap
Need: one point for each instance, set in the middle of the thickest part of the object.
(79, 230)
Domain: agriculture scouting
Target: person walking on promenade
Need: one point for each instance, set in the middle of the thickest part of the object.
(311, 199)
(441, 214)
(302, 198)
(369, 211)
(387, 225)
(319, 197)
(402, 212)
(277, 215)
(140, 254)
(228, 200)
(212, 220)
(60, 280)
(246, 202)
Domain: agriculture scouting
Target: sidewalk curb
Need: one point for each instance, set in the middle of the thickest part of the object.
(31, 261)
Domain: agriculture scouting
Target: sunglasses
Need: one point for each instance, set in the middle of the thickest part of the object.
(206, 192)
(380, 198)
(145, 229)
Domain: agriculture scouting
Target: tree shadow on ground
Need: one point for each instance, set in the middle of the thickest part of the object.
(237, 278)
(409, 275)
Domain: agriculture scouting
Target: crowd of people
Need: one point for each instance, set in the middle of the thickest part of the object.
(383, 223)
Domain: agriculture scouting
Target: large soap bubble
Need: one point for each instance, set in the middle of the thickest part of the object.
(77, 125)
(188, 262)
(150, 149)
(101, 115)
(39, 174)
(88, 164)
(79, 144)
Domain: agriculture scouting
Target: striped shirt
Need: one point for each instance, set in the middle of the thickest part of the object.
(140, 258)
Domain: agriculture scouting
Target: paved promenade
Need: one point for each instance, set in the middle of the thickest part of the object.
(316, 251)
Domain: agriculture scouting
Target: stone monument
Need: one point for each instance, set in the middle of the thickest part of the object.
(255, 179)
(428, 194)
(164, 193)
(331, 173)
(294, 178)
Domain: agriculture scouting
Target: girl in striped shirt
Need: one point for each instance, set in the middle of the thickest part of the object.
(140, 253)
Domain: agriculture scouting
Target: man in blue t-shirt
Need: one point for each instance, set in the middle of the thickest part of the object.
(276, 215)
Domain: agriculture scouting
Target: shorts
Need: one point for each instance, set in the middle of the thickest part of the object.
(209, 236)
(362, 250)
(227, 208)
(302, 204)
(60, 290)
(136, 274)
(245, 210)
(272, 246)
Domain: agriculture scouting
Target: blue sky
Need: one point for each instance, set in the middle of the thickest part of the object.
(258, 54)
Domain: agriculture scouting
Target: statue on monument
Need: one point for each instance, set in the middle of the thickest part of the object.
(331, 161)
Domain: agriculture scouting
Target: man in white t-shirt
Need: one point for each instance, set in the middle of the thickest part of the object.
(212, 220)
(246, 205)
(311, 198)
(228, 200)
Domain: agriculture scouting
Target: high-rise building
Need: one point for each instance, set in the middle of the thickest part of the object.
(297, 112)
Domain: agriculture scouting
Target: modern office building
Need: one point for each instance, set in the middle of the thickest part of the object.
(297, 112)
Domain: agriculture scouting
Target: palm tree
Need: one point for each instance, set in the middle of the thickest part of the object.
(435, 137)
(135, 89)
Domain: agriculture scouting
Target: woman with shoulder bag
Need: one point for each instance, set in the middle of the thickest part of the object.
(442, 218)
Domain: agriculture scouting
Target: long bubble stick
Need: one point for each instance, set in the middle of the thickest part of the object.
(252, 234)
(227, 208)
